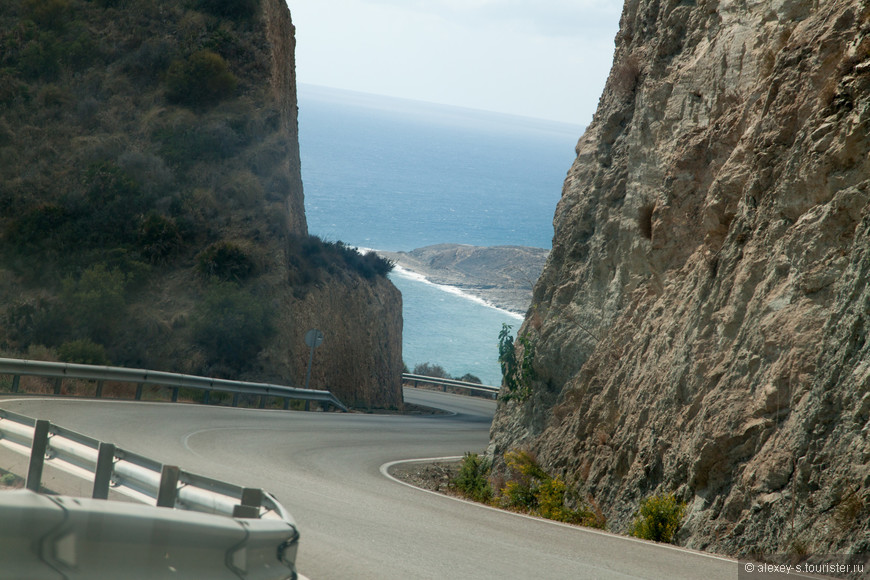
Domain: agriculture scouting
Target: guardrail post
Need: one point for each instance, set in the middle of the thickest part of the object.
(57, 383)
(37, 455)
(252, 499)
(99, 392)
(286, 403)
(168, 491)
(262, 401)
(103, 473)
(206, 397)
(175, 394)
(16, 380)
(138, 391)
(235, 399)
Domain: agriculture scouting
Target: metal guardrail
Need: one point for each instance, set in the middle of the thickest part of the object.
(444, 383)
(140, 377)
(237, 532)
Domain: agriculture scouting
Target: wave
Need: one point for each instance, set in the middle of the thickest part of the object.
(455, 290)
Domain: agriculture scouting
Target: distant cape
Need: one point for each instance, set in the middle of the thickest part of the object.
(501, 275)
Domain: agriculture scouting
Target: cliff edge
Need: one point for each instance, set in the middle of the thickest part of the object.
(701, 322)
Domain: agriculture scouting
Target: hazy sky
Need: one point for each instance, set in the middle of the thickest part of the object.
(537, 58)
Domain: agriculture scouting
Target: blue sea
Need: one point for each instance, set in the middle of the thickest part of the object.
(393, 174)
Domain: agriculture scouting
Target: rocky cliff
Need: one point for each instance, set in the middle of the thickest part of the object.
(701, 323)
(152, 204)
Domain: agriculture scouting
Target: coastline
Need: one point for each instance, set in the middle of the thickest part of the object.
(400, 270)
(499, 277)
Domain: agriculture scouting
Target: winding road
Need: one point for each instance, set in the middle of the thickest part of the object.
(356, 523)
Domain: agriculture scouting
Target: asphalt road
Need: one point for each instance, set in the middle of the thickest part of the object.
(356, 523)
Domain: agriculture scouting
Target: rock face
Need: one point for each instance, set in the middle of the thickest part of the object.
(360, 359)
(701, 323)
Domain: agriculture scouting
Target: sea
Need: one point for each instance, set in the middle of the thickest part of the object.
(391, 174)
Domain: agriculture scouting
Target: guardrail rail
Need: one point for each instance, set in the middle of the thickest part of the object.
(216, 529)
(140, 377)
(444, 383)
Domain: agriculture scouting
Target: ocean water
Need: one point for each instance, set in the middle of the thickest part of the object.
(393, 174)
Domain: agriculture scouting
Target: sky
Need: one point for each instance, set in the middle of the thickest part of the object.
(545, 59)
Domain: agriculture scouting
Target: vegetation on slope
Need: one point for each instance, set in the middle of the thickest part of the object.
(144, 175)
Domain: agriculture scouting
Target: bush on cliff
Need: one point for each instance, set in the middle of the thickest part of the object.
(201, 79)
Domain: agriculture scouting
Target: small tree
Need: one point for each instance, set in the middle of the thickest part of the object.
(516, 374)
(427, 369)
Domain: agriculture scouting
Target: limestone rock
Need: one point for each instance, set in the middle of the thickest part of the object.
(701, 322)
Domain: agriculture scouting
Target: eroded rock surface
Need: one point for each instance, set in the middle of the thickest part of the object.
(701, 323)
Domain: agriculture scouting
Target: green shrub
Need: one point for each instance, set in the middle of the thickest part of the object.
(95, 301)
(517, 375)
(35, 322)
(658, 518)
(185, 140)
(148, 62)
(40, 58)
(159, 238)
(310, 257)
(552, 496)
(200, 80)
(83, 351)
(12, 89)
(51, 14)
(80, 49)
(530, 488)
(367, 265)
(519, 495)
(52, 96)
(235, 9)
(242, 189)
(114, 202)
(232, 326)
(471, 481)
(43, 228)
(226, 261)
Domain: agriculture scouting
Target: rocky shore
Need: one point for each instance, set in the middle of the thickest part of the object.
(501, 275)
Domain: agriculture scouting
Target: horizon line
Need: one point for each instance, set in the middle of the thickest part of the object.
(464, 108)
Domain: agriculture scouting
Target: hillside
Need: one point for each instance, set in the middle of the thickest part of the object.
(700, 327)
(152, 204)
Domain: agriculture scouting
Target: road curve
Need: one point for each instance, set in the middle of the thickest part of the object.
(357, 524)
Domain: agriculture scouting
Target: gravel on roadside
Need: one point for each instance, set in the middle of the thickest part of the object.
(435, 476)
